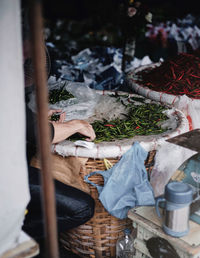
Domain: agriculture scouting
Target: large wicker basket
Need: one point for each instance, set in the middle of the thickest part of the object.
(98, 236)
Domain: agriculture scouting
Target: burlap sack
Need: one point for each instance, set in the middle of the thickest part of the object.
(66, 170)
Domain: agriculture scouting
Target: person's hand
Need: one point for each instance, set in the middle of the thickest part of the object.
(66, 129)
(54, 111)
(84, 128)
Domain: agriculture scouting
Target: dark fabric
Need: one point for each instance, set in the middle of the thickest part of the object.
(31, 135)
(74, 207)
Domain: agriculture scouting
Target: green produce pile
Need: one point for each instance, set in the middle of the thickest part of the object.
(55, 117)
(142, 119)
(57, 95)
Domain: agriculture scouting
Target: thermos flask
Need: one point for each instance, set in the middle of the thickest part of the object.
(177, 199)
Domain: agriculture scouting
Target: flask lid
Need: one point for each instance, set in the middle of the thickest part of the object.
(178, 192)
(127, 231)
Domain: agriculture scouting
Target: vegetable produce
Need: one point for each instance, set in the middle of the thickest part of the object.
(178, 76)
(57, 95)
(142, 119)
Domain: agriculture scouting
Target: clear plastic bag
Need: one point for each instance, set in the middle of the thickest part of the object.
(82, 105)
(125, 245)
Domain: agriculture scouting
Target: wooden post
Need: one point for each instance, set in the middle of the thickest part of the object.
(40, 80)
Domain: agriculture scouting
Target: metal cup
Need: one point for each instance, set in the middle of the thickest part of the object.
(177, 199)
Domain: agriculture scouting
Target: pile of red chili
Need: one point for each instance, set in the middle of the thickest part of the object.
(178, 76)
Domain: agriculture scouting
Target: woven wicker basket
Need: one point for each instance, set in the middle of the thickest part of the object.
(97, 237)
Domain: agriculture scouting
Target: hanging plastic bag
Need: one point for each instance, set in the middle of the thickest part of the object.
(191, 109)
(126, 184)
(80, 107)
(168, 159)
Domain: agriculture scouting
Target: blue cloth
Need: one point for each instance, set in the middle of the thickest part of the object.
(110, 79)
(126, 184)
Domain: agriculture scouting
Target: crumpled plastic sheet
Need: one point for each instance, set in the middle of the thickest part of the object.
(99, 68)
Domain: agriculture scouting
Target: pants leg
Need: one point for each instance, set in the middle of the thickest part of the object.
(73, 207)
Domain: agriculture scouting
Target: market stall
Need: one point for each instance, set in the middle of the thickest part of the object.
(130, 161)
(136, 121)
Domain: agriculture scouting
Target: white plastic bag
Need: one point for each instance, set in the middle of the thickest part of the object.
(80, 107)
(168, 159)
(191, 109)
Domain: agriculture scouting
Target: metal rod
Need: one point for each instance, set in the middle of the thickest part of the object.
(40, 79)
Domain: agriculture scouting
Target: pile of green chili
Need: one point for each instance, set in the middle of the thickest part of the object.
(57, 95)
(142, 119)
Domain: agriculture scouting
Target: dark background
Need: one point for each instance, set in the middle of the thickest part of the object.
(81, 9)
(85, 22)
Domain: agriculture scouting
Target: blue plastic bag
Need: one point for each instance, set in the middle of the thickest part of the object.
(126, 184)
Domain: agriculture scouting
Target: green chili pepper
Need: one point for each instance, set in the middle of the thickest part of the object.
(57, 95)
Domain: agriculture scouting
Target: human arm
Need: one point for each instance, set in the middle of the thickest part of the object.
(59, 131)
(55, 111)
(66, 129)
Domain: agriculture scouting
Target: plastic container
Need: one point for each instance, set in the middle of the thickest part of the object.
(125, 245)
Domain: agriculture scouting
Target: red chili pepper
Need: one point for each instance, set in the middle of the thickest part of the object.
(109, 125)
(190, 122)
(177, 76)
(180, 77)
(196, 90)
(194, 76)
(173, 73)
(188, 81)
(173, 63)
(189, 70)
(171, 87)
(137, 127)
(167, 84)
